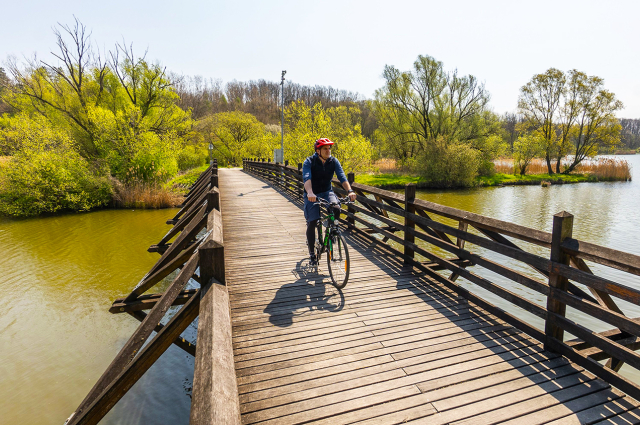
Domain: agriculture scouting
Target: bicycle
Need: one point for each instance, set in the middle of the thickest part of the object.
(333, 244)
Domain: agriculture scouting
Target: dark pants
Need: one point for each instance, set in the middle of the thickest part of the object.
(312, 215)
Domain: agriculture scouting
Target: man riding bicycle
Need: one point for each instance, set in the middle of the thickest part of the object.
(317, 173)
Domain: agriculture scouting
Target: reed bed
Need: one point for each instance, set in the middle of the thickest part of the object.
(389, 166)
(606, 168)
(144, 197)
(537, 166)
(601, 168)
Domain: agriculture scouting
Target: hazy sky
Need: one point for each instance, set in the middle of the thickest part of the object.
(346, 44)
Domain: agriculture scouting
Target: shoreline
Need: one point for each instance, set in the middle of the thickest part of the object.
(399, 181)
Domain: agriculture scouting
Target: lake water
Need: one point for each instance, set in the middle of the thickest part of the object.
(60, 274)
(59, 277)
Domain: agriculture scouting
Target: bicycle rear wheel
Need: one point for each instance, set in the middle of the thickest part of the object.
(338, 261)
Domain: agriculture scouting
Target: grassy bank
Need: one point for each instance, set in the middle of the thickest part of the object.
(500, 179)
(181, 183)
(387, 180)
(389, 176)
(398, 181)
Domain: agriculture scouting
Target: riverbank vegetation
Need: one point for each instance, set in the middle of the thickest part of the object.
(90, 128)
(390, 175)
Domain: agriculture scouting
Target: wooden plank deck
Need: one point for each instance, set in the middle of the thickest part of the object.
(392, 347)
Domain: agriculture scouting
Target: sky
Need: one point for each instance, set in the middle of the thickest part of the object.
(346, 44)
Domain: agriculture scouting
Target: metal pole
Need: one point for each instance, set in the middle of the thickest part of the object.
(282, 117)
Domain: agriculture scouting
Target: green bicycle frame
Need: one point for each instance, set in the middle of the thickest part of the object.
(326, 241)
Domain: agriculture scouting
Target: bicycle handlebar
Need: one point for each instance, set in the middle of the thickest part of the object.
(323, 201)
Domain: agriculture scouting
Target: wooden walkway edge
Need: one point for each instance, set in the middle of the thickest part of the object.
(392, 347)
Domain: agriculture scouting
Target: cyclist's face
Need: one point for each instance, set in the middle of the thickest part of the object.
(325, 152)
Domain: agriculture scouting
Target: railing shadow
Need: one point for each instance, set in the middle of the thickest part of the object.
(510, 351)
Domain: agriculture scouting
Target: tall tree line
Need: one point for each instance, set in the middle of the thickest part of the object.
(630, 133)
(260, 98)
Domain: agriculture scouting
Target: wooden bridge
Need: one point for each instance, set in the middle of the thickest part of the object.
(402, 342)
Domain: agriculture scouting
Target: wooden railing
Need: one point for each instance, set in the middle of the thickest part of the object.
(198, 247)
(417, 226)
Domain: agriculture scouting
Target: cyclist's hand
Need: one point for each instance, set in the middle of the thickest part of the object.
(352, 197)
(311, 197)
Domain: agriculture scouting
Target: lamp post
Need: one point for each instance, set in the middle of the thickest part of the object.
(282, 118)
(210, 153)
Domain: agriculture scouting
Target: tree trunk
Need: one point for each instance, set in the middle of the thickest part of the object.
(549, 169)
(558, 165)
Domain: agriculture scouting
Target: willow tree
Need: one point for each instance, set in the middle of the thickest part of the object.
(539, 102)
(596, 125)
(425, 112)
(573, 113)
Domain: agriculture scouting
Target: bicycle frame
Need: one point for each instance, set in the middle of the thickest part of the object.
(331, 225)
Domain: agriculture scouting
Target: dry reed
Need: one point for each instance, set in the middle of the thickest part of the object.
(389, 166)
(144, 196)
(602, 168)
(606, 168)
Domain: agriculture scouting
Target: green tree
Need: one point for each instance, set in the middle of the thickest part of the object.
(121, 115)
(573, 113)
(419, 110)
(449, 163)
(525, 148)
(123, 112)
(596, 126)
(304, 124)
(235, 135)
(539, 102)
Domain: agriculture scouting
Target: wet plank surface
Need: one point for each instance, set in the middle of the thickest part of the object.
(391, 347)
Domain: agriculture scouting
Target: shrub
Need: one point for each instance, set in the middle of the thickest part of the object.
(191, 157)
(45, 173)
(33, 183)
(449, 164)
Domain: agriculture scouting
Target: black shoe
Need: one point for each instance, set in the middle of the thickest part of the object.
(313, 261)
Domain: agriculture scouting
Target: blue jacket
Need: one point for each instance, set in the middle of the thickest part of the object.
(321, 174)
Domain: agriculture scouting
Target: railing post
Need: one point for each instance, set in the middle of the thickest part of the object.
(213, 199)
(409, 207)
(300, 185)
(214, 180)
(350, 220)
(562, 229)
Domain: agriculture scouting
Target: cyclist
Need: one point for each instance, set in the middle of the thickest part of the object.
(317, 173)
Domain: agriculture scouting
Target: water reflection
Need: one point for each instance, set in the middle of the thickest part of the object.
(59, 276)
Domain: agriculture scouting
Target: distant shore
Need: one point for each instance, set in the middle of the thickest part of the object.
(399, 181)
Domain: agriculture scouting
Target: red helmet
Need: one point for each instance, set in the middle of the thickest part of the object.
(322, 142)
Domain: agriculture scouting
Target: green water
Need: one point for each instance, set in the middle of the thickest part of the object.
(59, 275)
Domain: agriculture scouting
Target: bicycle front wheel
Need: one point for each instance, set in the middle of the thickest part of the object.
(338, 261)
